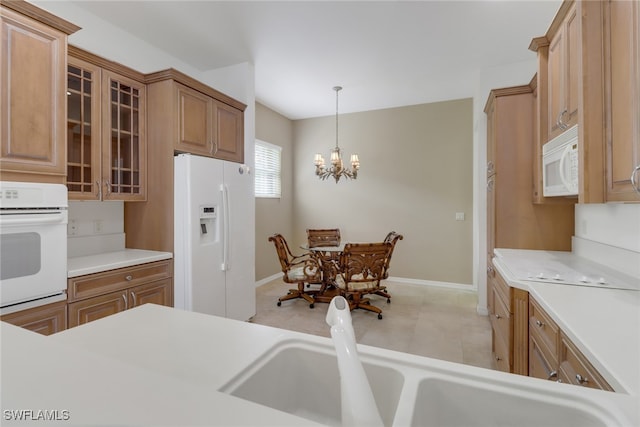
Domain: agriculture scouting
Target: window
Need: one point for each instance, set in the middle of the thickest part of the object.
(267, 170)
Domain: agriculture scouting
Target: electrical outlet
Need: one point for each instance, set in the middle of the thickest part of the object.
(97, 226)
(72, 228)
(459, 216)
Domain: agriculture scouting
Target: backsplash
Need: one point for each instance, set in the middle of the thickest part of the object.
(95, 227)
(609, 234)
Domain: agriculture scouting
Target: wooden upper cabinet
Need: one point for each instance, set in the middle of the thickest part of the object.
(124, 139)
(33, 85)
(563, 75)
(84, 180)
(230, 133)
(199, 119)
(106, 130)
(622, 99)
(196, 127)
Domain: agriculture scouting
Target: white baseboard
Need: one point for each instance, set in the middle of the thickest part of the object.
(421, 282)
(268, 279)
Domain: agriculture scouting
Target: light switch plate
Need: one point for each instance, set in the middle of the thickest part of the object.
(459, 216)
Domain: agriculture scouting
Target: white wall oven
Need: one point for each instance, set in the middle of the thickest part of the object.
(33, 244)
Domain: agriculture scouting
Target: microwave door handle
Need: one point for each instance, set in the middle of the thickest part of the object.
(563, 159)
(41, 219)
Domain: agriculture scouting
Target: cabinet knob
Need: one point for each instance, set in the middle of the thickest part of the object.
(498, 316)
(552, 375)
(498, 358)
(539, 323)
(581, 379)
(128, 278)
(490, 271)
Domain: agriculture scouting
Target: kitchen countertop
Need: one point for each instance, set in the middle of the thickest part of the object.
(79, 266)
(156, 365)
(603, 323)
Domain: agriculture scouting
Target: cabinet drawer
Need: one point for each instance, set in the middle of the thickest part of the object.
(91, 285)
(501, 320)
(541, 364)
(501, 353)
(576, 369)
(503, 289)
(545, 329)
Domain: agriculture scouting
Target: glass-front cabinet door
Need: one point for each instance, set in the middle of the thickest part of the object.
(124, 138)
(83, 130)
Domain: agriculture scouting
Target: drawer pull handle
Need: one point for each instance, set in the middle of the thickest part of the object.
(539, 323)
(128, 278)
(581, 379)
(553, 374)
(133, 296)
(124, 297)
(498, 358)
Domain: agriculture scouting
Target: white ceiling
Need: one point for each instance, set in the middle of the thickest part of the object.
(384, 53)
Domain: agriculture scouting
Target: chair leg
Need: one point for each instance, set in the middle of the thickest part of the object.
(298, 293)
(356, 301)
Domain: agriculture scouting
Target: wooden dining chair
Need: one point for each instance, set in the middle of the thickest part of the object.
(392, 238)
(317, 237)
(299, 269)
(361, 268)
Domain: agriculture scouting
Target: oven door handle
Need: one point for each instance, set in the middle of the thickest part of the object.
(56, 217)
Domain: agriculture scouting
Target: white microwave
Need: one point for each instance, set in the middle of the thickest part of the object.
(560, 164)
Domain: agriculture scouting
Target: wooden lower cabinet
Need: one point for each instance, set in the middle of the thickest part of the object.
(575, 368)
(100, 295)
(553, 357)
(46, 319)
(508, 312)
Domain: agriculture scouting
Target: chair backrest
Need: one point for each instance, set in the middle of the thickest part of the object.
(282, 248)
(323, 237)
(392, 238)
(364, 262)
(296, 268)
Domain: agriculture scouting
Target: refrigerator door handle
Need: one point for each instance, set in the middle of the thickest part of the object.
(225, 227)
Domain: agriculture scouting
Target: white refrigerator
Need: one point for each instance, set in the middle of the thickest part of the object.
(214, 237)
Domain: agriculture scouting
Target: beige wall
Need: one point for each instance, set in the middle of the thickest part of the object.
(416, 173)
(274, 215)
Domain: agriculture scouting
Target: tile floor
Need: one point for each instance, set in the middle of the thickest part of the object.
(427, 321)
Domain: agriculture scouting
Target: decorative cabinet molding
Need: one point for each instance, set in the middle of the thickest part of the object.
(46, 319)
(98, 295)
(33, 85)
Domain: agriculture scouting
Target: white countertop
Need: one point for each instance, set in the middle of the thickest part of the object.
(79, 266)
(156, 365)
(603, 323)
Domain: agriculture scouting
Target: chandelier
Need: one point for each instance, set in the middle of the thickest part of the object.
(336, 170)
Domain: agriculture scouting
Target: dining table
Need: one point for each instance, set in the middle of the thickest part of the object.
(328, 258)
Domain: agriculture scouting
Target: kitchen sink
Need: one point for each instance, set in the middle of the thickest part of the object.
(441, 402)
(302, 378)
(305, 382)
